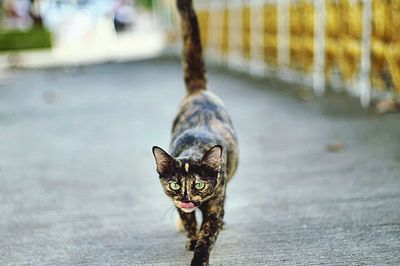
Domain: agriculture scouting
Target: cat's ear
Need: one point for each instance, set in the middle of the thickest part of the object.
(212, 157)
(164, 161)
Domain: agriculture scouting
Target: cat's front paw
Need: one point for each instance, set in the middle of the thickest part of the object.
(191, 244)
(199, 262)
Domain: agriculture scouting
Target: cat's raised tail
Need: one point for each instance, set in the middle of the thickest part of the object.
(193, 64)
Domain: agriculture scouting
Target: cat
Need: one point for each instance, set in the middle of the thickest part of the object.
(203, 150)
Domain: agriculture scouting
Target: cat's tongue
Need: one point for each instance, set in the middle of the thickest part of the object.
(187, 205)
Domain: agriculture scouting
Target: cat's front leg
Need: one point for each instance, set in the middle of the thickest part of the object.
(190, 225)
(212, 223)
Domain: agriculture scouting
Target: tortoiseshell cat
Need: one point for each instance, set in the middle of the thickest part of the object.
(204, 153)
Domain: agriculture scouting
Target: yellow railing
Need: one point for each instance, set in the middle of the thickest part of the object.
(352, 44)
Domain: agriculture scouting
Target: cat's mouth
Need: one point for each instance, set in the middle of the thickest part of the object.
(187, 206)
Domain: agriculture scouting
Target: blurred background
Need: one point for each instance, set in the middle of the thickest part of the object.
(352, 46)
(87, 87)
(49, 33)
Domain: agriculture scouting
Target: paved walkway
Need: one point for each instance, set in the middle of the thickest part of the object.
(78, 185)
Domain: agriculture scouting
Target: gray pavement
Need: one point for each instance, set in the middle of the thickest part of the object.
(78, 184)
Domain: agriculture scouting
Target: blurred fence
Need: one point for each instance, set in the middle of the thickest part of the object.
(350, 44)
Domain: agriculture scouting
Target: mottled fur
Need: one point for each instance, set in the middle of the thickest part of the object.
(203, 148)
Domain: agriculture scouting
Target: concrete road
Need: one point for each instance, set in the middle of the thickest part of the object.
(78, 183)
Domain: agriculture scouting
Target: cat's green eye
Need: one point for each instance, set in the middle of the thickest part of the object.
(199, 185)
(174, 186)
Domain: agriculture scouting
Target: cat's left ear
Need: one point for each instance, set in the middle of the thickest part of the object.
(164, 161)
(212, 157)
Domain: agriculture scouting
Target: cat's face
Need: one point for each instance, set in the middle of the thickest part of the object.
(189, 183)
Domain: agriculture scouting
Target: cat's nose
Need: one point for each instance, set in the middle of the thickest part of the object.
(186, 198)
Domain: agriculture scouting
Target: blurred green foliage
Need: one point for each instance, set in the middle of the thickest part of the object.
(36, 37)
(145, 3)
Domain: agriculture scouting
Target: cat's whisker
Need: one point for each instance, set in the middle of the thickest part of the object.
(172, 222)
(167, 210)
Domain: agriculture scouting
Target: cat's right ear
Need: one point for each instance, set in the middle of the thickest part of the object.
(164, 161)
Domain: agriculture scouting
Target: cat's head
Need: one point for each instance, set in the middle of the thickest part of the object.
(186, 181)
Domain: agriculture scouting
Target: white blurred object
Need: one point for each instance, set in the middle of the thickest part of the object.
(75, 22)
(17, 14)
(124, 15)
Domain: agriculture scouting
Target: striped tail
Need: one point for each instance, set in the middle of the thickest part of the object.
(193, 64)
